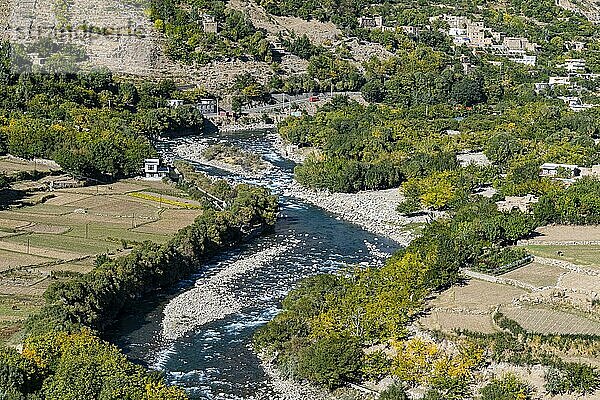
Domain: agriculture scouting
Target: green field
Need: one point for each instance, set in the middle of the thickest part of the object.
(580, 255)
(66, 233)
(65, 243)
(14, 311)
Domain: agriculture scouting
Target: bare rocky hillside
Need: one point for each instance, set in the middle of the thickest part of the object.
(588, 8)
(117, 34)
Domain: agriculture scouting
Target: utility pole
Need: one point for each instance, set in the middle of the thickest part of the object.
(87, 227)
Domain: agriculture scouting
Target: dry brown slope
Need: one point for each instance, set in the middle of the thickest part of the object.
(131, 46)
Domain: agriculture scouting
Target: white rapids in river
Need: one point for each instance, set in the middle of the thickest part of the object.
(211, 298)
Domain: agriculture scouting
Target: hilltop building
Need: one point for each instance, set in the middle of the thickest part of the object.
(374, 22)
(209, 24)
(519, 45)
(573, 65)
(174, 103)
(559, 171)
(208, 106)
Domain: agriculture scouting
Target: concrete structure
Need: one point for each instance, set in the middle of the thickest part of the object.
(375, 22)
(559, 171)
(174, 103)
(154, 170)
(559, 80)
(573, 65)
(454, 21)
(519, 45)
(460, 40)
(410, 30)
(476, 32)
(209, 24)
(525, 60)
(208, 106)
(37, 60)
(521, 203)
(576, 104)
(573, 45)
(457, 32)
(594, 171)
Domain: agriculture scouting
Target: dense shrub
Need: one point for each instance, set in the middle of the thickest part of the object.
(572, 378)
(508, 387)
(331, 361)
(577, 204)
(394, 392)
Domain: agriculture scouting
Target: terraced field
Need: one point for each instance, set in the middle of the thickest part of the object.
(40, 243)
(562, 286)
(547, 321)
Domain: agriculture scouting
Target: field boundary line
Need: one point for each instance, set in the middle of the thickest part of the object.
(567, 266)
(496, 279)
(534, 242)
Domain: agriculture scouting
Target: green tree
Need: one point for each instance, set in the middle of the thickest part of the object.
(394, 392)
(507, 387)
(331, 361)
(373, 91)
(468, 92)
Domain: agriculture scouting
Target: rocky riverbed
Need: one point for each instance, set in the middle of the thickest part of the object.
(194, 153)
(374, 211)
(211, 298)
(289, 389)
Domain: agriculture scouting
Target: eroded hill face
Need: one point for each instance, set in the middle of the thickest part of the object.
(110, 33)
(118, 34)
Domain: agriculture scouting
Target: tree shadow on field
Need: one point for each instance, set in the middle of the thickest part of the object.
(11, 197)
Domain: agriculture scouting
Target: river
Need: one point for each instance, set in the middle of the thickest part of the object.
(215, 360)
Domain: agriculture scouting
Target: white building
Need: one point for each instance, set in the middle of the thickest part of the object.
(574, 65)
(594, 171)
(519, 45)
(457, 32)
(375, 22)
(559, 80)
(525, 60)
(573, 45)
(208, 106)
(209, 23)
(565, 171)
(410, 30)
(174, 103)
(154, 170)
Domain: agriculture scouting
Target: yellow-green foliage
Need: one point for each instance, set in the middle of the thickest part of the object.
(377, 304)
(158, 199)
(423, 362)
(435, 191)
(82, 366)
